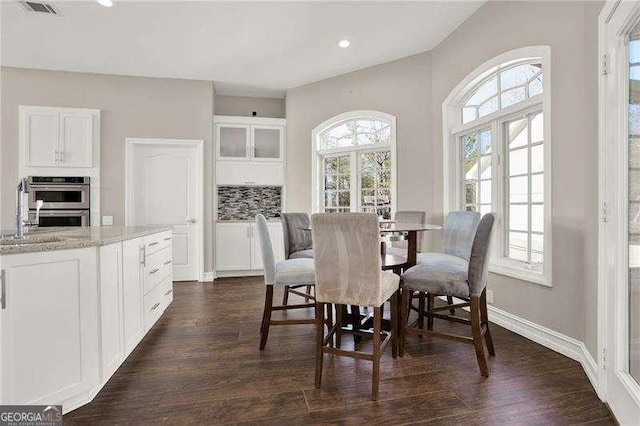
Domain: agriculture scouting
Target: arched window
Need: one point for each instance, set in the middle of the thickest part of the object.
(354, 164)
(498, 157)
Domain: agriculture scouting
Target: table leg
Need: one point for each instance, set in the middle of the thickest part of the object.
(412, 249)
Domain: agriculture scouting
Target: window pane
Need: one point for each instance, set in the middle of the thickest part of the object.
(484, 209)
(518, 217)
(537, 188)
(330, 182)
(535, 87)
(485, 192)
(385, 179)
(330, 198)
(518, 189)
(488, 107)
(537, 128)
(518, 75)
(634, 73)
(344, 182)
(487, 90)
(634, 218)
(537, 159)
(468, 114)
(512, 97)
(537, 248)
(471, 192)
(518, 133)
(518, 246)
(344, 164)
(470, 146)
(486, 168)
(537, 218)
(330, 165)
(485, 142)
(518, 160)
(344, 198)
(471, 208)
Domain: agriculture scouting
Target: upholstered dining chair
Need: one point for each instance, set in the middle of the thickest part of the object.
(348, 272)
(289, 272)
(297, 245)
(399, 248)
(452, 275)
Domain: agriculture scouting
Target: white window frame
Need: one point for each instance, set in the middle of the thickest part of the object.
(453, 130)
(317, 193)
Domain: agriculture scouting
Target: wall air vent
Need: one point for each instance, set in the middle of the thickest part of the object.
(32, 6)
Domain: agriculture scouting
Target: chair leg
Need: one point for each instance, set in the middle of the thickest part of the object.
(450, 302)
(430, 303)
(375, 383)
(285, 296)
(329, 319)
(477, 336)
(484, 320)
(319, 345)
(355, 321)
(266, 316)
(340, 311)
(421, 298)
(394, 324)
(406, 296)
(306, 299)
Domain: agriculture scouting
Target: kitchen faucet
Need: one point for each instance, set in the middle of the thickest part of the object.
(22, 224)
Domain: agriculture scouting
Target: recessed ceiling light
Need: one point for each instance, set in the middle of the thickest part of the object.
(105, 3)
(344, 43)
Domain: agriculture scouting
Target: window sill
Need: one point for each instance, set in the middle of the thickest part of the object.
(509, 270)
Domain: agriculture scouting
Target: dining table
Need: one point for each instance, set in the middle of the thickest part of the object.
(390, 232)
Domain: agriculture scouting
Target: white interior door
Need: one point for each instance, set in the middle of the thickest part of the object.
(165, 188)
(619, 294)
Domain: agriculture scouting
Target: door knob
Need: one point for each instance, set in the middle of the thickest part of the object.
(192, 220)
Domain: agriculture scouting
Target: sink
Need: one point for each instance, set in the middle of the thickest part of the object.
(12, 241)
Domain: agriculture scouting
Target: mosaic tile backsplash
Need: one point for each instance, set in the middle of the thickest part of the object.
(244, 202)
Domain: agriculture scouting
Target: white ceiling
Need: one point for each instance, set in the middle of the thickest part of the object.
(247, 48)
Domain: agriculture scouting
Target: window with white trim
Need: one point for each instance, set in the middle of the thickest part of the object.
(354, 164)
(498, 159)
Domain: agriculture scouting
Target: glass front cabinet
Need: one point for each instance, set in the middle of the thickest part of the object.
(249, 139)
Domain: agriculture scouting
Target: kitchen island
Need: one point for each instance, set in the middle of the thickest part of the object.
(74, 303)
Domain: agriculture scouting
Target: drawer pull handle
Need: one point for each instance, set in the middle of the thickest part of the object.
(167, 262)
(167, 239)
(154, 271)
(155, 243)
(169, 292)
(154, 307)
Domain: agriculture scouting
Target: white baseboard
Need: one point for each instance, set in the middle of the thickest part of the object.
(209, 276)
(551, 339)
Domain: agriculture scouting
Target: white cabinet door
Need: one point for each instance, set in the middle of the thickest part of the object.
(40, 134)
(132, 270)
(267, 143)
(277, 243)
(111, 309)
(76, 139)
(249, 173)
(233, 246)
(233, 141)
(50, 327)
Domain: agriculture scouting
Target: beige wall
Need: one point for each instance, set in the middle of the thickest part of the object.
(414, 88)
(130, 107)
(244, 106)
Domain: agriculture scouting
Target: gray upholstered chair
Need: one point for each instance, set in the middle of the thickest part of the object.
(297, 245)
(348, 272)
(451, 275)
(459, 231)
(290, 272)
(399, 248)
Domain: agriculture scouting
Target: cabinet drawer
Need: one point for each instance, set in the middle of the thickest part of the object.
(158, 266)
(249, 173)
(167, 292)
(155, 242)
(153, 307)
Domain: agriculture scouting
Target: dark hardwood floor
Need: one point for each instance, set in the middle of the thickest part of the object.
(201, 364)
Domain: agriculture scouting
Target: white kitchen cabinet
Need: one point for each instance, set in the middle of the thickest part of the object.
(249, 139)
(59, 137)
(132, 282)
(111, 309)
(249, 173)
(50, 331)
(238, 246)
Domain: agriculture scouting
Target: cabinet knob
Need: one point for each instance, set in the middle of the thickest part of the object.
(192, 220)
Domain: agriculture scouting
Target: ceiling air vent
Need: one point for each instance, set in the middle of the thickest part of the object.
(32, 6)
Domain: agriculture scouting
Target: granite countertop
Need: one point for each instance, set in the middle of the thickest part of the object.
(49, 239)
(246, 220)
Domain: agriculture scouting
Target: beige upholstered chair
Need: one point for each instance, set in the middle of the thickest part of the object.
(451, 275)
(399, 248)
(297, 245)
(291, 272)
(348, 272)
